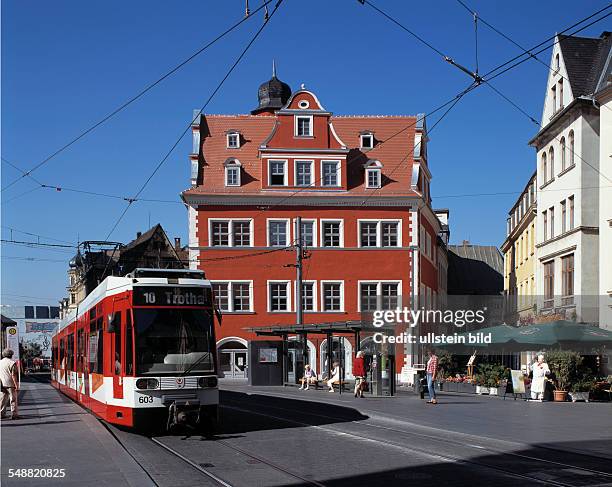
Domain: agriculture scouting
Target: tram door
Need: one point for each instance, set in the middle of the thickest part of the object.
(117, 353)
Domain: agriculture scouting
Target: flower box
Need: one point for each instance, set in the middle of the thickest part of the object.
(466, 388)
(482, 390)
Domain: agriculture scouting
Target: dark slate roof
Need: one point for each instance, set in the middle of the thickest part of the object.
(585, 58)
(475, 269)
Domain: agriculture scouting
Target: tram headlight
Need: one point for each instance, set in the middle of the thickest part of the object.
(208, 381)
(147, 384)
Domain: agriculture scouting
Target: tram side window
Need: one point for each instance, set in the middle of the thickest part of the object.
(54, 355)
(100, 355)
(117, 333)
(70, 352)
(62, 354)
(129, 357)
(80, 350)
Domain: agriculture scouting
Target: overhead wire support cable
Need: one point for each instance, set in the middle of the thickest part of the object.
(188, 127)
(135, 97)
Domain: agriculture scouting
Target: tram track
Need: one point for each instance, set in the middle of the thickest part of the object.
(602, 478)
(251, 456)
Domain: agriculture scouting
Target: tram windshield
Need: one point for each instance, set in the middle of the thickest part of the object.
(172, 340)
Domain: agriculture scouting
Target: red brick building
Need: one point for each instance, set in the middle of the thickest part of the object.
(361, 186)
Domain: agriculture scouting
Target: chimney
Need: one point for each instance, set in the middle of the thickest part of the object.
(138, 234)
(177, 243)
(466, 243)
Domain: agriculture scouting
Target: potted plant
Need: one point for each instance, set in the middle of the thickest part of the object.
(564, 369)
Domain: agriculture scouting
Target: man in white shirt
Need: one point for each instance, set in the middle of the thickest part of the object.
(10, 383)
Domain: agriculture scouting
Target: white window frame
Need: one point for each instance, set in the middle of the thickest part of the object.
(322, 294)
(368, 135)
(287, 229)
(230, 294)
(379, 223)
(310, 123)
(289, 300)
(379, 285)
(338, 173)
(295, 173)
(230, 222)
(322, 236)
(233, 164)
(315, 295)
(285, 179)
(233, 134)
(379, 175)
(315, 234)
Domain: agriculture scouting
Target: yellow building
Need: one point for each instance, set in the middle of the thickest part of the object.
(519, 256)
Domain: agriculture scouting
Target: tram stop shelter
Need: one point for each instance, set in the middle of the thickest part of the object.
(281, 362)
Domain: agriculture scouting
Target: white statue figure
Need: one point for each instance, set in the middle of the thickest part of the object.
(540, 371)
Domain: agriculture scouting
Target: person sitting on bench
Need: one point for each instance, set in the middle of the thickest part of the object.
(310, 377)
(335, 377)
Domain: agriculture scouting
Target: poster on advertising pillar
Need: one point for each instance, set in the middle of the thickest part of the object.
(12, 340)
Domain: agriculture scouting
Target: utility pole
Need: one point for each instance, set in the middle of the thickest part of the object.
(299, 305)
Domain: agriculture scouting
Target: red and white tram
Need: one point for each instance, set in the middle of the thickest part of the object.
(140, 351)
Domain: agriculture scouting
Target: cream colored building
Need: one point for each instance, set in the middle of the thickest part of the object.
(519, 256)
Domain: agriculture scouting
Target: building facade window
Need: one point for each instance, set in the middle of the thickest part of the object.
(331, 233)
(544, 168)
(278, 293)
(308, 233)
(231, 233)
(277, 173)
(308, 296)
(233, 140)
(367, 141)
(563, 155)
(303, 173)
(368, 296)
(330, 173)
(232, 175)
(368, 234)
(545, 218)
(563, 217)
(278, 233)
(332, 298)
(554, 98)
(571, 147)
(567, 276)
(220, 233)
(233, 296)
(373, 178)
(560, 84)
(571, 212)
(551, 163)
(551, 212)
(378, 295)
(303, 126)
(379, 233)
(549, 284)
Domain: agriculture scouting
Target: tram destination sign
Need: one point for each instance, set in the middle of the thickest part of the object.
(172, 296)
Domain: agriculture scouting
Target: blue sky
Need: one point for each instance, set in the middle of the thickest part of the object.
(66, 64)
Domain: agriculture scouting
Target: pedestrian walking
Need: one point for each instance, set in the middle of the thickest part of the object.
(432, 370)
(359, 373)
(540, 371)
(9, 383)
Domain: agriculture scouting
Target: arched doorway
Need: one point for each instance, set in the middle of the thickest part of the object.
(339, 345)
(233, 357)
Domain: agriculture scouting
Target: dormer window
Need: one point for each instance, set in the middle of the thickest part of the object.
(232, 172)
(367, 141)
(233, 140)
(373, 174)
(303, 126)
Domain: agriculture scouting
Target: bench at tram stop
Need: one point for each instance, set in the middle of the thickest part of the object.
(321, 383)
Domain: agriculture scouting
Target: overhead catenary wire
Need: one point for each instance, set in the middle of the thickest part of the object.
(135, 97)
(188, 127)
